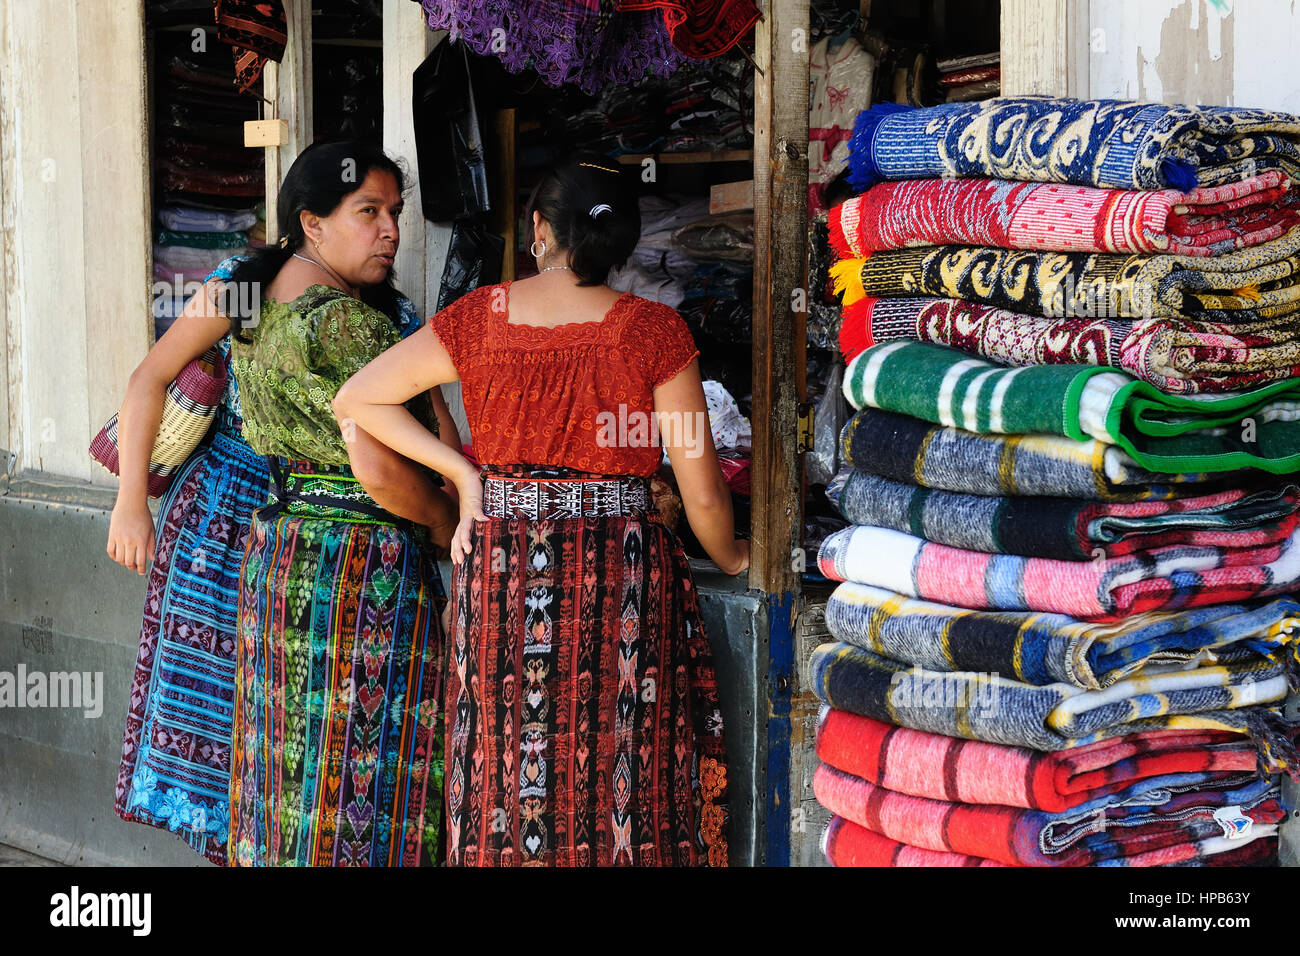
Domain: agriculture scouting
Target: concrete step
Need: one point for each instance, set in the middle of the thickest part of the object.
(12, 856)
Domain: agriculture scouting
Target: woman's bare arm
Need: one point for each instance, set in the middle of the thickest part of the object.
(199, 327)
(401, 486)
(684, 429)
(373, 398)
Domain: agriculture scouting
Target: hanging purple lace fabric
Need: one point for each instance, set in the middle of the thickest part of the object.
(583, 43)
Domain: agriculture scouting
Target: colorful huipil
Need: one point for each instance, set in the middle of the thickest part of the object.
(337, 749)
(175, 768)
(583, 721)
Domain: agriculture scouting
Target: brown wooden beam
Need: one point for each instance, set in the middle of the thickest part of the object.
(780, 298)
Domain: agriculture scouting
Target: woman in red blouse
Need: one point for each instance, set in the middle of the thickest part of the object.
(582, 715)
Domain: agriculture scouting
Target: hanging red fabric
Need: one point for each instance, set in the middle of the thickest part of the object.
(258, 31)
(701, 29)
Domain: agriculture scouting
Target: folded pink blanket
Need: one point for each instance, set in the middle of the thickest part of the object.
(1054, 216)
(845, 843)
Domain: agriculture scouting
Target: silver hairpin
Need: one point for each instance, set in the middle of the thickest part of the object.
(599, 208)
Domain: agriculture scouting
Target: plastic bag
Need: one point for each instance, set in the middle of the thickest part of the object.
(473, 260)
(831, 413)
(448, 142)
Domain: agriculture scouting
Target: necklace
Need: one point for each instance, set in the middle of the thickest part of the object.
(329, 272)
(552, 269)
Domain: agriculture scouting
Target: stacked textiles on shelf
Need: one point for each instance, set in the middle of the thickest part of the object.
(968, 78)
(209, 187)
(1064, 634)
(699, 109)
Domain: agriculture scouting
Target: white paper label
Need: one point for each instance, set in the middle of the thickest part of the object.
(1236, 825)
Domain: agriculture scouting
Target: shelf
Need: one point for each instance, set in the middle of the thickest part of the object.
(721, 156)
(345, 41)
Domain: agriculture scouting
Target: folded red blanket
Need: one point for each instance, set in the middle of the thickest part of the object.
(1171, 826)
(1176, 355)
(969, 771)
(845, 843)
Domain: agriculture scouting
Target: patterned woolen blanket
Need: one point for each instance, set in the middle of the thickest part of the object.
(1015, 215)
(982, 706)
(1178, 356)
(1178, 576)
(1259, 428)
(970, 771)
(845, 843)
(1047, 648)
(1114, 144)
(907, 449)
(1084, 285)
(1157, 819)
(1067, 529)
(1019, 837)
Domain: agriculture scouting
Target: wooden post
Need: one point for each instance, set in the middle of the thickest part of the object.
(287, 95)
(75, 222)
(780, 268)
(10, 342)
(407, 41)
(780, 304)
(1044, 47)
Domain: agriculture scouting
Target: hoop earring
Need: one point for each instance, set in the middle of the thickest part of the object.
(533, 249)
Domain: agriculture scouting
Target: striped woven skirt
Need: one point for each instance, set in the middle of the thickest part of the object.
(175, 769)
(583, 720)
(337, 743)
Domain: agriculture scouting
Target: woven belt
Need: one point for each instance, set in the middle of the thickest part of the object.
(305, 489)
(537, 499)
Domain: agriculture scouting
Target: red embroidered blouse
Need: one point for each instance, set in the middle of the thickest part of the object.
(577, 395)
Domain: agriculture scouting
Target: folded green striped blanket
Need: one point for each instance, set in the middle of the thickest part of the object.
(1178, 576)
(1242, 697)
(1162, 818)
(1064, 218)
(1066, 529)
(1259, 428)
(1114, 144)
(846, 843)
(1177, 356)
(1083, 285)
(907, 449)
(1046, 648)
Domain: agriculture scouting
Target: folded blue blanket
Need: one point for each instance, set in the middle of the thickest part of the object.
(1113, 144)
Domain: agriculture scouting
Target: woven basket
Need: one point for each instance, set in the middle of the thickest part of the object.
(188, 410)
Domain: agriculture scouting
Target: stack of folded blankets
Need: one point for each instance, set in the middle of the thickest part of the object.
(1065, 634)
(209, 186)
(970, 77)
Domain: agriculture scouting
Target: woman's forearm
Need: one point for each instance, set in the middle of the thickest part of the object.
(398, 429)
(714, 524)
(137, 427)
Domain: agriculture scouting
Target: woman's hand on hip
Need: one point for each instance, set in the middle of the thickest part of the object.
(470, 489)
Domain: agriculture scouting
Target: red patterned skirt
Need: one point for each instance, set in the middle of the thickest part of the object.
(583, 722)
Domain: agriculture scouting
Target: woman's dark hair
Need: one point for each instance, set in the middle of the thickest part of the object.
(569, 194)
(320, 178)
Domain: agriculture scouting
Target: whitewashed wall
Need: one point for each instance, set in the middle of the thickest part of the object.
(74, 210)
(1234, 53)
(1230, 52)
